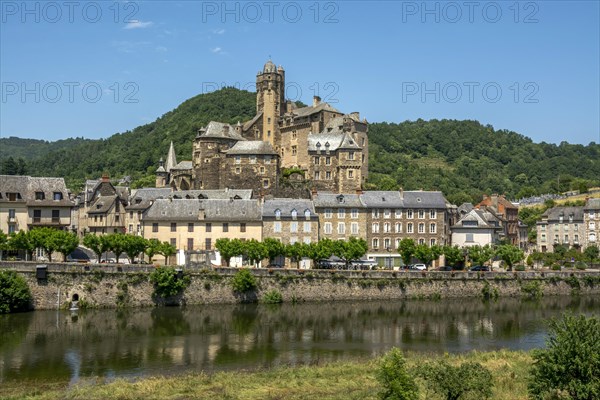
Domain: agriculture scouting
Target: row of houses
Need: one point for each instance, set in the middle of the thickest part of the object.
(192, 220)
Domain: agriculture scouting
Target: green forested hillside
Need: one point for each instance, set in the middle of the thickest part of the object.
(461, 158)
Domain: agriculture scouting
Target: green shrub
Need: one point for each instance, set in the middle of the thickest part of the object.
(452, 382)
(520, 267)
(488, 292)
(397, 382)
(166, 283)
(243, 281)
(272, 297)
(555, 267)
(14, 292)
(533, 289)
(570, 363)
(581, 265)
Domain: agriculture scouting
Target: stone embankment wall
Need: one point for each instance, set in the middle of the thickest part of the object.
(128, 286)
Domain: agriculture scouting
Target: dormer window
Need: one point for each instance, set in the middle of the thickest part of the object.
(340, 198)
(39, 196)
(138, 201)
(307, 214)
(57, 196)
(278, 213)
(294, 214)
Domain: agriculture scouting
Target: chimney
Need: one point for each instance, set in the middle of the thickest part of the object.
(226, 129)
(316, 101)
(288, 106)
(105, 178)
(313, 192)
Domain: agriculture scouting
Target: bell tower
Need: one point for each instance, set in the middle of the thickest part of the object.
(270, 100)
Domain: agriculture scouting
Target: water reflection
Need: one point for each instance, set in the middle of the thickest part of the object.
(108, 343)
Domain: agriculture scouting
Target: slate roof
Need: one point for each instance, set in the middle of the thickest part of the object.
(422, 199)
(216, 210)
(554, 213)
(102, 204)
(252, 147)
(248, 124)
(143, 198)
(592, 204)
(183, 165)
(223, 194)
(328, 199)
(465, 208)
(27, 186)
(484, 220)
(382, 199)
(335, 140)
(286, 206)
(306, 111)
(217, 130)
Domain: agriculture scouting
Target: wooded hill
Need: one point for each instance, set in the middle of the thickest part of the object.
(461, 158)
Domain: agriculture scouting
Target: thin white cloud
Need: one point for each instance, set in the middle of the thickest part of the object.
(216, 50)
(138, 24)
(218, 31)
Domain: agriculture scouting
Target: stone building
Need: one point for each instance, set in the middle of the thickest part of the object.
(591, 222)
(290, 221)
(560, 226)
(341, 216)
(396, 215)
(328, 147)
(101, 207)
(28, 202)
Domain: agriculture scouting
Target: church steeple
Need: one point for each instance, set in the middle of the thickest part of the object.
(171, 159)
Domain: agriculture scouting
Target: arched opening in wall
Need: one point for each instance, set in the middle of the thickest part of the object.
(75, 297)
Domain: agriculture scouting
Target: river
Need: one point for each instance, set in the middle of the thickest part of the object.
(131, 343)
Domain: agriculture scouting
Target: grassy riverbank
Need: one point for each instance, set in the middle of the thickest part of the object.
(343, 381)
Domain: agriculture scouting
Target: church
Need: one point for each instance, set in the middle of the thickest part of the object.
(315, 147)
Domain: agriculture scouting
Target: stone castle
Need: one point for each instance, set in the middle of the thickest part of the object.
(317, 147)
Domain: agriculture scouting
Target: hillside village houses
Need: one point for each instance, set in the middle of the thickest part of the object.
(295, 174)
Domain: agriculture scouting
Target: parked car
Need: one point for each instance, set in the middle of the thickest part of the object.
(363, 264)
(420, 267)
(480, 268)
(446, 268)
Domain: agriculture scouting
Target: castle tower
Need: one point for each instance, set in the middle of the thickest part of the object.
(270, 100)
(161, 175)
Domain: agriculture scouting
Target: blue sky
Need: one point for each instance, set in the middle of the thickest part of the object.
(92, 69)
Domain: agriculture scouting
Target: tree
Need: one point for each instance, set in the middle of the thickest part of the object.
(44, 238)
(591, 253)
(452, 382)
(14, 292)
(229, 248)
(398, 383)
(3, 242)
(454, 255)
(427, 254)
(65, 242)
(274, 249)
(352, 249)
(321, 250)
(117, 243)
(166, 250)
(296, 252)
(570, 363)
(134, 245)
(406, 248)
(510, 254)
(166, 282)
(480, 254)
(93, 243)
(22, 241)
(255, 251)
(152, 249)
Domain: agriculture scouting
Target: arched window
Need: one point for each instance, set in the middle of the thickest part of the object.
(307, 213)
(294, 213)
(278, 213)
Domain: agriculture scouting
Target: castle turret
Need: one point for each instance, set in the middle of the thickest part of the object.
(270, 100)
(161, 175)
